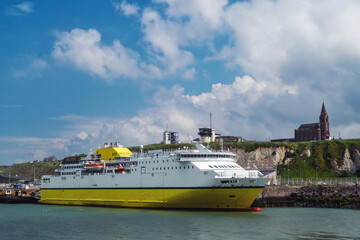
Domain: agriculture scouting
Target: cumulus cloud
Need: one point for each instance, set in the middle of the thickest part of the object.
(83, 49)
(21, 9)
(232, 106)
(165, 39)
(126, 8)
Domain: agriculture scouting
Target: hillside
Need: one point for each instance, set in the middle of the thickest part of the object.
(26, 170)
(335, 158)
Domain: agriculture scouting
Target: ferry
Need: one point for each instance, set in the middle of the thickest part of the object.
(178, 179)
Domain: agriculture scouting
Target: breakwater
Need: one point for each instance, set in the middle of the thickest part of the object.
(310, 196)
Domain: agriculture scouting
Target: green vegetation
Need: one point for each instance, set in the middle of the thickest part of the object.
(26, 170)
(318, 164)
(3, 167)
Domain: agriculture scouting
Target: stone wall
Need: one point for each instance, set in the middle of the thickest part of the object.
(310, 196)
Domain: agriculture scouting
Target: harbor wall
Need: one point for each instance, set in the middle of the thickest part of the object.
(310, 196)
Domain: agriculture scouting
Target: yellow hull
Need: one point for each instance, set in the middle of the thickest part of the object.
(196, 198)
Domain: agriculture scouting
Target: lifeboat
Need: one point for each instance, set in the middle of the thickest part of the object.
(94, 166)
(119, 168)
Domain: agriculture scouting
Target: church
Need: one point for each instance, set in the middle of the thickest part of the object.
(314, 131)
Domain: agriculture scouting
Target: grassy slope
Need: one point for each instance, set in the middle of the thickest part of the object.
(26, 170)
(299, 166)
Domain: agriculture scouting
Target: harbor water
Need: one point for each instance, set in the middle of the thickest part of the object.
(35, 221)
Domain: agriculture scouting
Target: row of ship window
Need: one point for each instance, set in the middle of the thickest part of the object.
(172, 168)
(68, 173)
(223, 166)
(157, 161)
(74, 166)
(206, 156)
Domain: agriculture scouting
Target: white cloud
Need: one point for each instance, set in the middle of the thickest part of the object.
(165, 40)
(127, 9)
(82, 135)
(21, 9)
(83, 49)
(285, 40)
(235, 109)
(31, 148)
(200, 11)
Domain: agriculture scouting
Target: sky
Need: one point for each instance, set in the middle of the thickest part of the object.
(76, 74)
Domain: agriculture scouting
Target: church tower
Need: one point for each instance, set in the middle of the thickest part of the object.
(324, 124)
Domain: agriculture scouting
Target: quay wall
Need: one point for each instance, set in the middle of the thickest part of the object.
(310, 196)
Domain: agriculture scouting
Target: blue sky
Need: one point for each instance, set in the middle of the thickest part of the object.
(74, 75)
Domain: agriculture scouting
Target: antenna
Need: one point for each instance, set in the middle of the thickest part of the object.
(210, 122)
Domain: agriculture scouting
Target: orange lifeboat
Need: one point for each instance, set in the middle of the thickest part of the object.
(94, 166)
(119, 168)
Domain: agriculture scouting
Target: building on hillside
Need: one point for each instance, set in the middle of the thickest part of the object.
(311, 131)
(228, 139)
(170, 137)
(207, 135)
(314, 131)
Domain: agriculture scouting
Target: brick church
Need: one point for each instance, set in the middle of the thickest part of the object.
(314, 131)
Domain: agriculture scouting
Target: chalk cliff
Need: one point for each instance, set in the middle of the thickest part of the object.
(338, 157)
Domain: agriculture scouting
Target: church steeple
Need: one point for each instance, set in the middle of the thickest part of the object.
(324, 123)
(323, 110)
